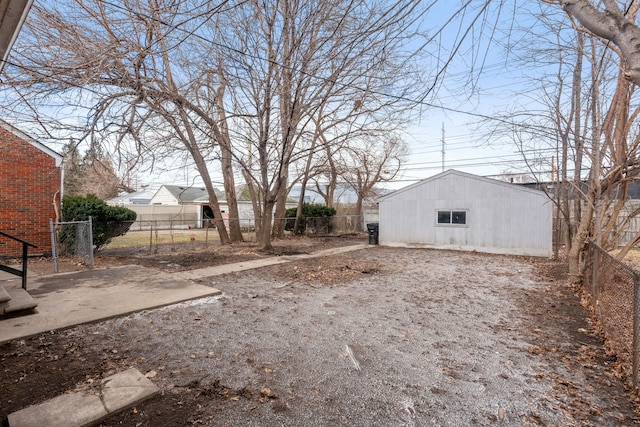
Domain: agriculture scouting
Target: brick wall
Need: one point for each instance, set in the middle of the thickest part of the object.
(29, 180)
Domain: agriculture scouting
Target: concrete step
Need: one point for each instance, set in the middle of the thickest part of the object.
(20, 301)
(4, 295)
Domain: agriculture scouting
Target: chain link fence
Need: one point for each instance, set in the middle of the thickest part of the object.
(165, 235)
(615, 290)
(71, 239)
(179, 235)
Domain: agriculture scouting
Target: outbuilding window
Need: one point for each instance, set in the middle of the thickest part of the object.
(452, 217)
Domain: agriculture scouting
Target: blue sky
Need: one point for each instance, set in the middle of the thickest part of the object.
(482, 81)
(501, 83)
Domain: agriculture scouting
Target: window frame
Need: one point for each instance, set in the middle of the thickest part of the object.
(451, 214)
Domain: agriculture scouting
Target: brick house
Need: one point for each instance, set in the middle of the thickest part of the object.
(30, 183)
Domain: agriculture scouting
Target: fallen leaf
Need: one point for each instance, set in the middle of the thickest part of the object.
(500, 413)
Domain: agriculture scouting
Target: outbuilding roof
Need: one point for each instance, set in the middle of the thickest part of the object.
(465, 175)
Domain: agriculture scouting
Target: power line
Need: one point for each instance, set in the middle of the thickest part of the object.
(175, 27)
(192, 33)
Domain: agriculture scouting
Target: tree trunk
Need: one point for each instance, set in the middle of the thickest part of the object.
(255, 203)
(235, 230)
(189, 140)
(221, 133)
(265, 225)
(610, 24)
(280, 210)
(579, 240)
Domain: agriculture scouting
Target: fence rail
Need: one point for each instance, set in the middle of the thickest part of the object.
(615, 295)
(156, 236)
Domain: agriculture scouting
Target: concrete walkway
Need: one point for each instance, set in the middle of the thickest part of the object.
(69, 299)
(248, 265)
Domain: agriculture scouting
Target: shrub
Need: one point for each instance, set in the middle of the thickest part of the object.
(313, 214)
(108, 221)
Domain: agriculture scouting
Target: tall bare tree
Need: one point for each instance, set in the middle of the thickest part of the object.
(237, 81)
(127, 67)
(592, 110)
(91, 173)
(375, 161)
(301, 59)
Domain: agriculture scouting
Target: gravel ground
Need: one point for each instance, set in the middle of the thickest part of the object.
(424, 338)
(376, 337)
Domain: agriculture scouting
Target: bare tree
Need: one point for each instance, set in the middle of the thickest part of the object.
(91, 173)
(373, 162)
(301, 61)
(592, 111)
(125, 66)
(237, 82)
(614, 21)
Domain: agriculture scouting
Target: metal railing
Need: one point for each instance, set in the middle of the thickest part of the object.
(25, 249)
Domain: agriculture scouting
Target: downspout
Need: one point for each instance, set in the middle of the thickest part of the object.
(57, 207)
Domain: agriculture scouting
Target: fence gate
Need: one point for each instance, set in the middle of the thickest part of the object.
(71, 239)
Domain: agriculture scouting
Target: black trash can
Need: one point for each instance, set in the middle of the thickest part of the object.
(373, 233)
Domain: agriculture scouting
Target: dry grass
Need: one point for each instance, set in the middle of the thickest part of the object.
(168, 237)
(632, 258)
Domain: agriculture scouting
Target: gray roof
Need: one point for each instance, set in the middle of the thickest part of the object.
(135, 198)
(192, 194)
(462, 174)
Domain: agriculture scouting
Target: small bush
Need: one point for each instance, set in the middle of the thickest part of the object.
(319, 216)
(108, 221)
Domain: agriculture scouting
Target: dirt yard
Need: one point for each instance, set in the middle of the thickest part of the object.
(375, 337)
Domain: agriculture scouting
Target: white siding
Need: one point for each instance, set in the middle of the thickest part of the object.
(501, 217)
(245, 212)
(165, 216)
(163, 197)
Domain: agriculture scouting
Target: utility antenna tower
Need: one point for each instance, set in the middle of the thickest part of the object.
(443, 146)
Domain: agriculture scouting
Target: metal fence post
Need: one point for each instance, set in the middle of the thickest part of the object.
(90, 242)
(636, 329)
(150, 237)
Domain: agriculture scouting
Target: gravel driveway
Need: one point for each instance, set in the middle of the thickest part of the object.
(404, 337)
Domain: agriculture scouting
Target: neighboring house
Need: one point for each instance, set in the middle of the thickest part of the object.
(187, 207)
(30, 182)
(180, 195)
(195, 199)
(180, 207)
(344, 194)
(135, 198)
(457, 210)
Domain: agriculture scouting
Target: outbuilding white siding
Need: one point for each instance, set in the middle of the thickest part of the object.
(498, 217)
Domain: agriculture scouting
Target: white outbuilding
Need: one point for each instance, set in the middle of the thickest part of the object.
(457, 210)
